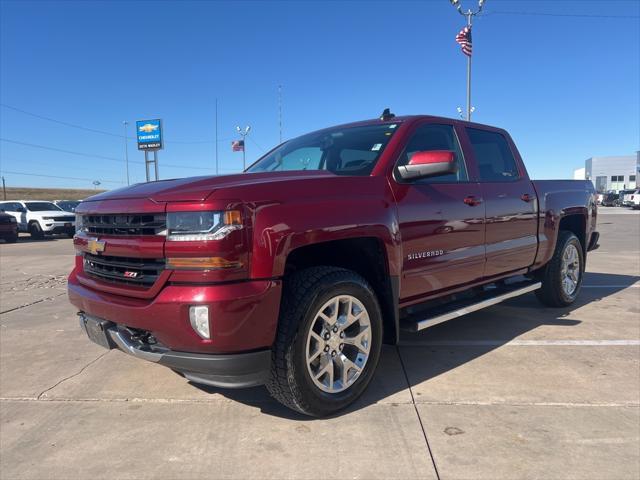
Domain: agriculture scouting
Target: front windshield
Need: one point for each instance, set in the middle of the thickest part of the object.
(41, 206)
(343, 151)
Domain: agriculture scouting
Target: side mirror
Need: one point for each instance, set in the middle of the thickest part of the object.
(21, 209)
(432, 163)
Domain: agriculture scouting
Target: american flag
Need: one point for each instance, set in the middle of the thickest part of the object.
(464, 39)
(237, 146)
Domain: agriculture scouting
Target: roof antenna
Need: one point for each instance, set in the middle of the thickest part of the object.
(387, 115)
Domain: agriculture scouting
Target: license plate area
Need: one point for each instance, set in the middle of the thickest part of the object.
(97, 330)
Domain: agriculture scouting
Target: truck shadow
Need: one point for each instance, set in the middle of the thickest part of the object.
(425, 355)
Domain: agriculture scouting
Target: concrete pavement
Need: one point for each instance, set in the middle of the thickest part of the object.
(514, 391)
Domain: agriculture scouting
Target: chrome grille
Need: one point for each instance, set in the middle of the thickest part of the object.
(124, 270)
(119, 224)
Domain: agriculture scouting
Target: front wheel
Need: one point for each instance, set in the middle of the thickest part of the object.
(328, 341)
(562, 277)
(36, 231)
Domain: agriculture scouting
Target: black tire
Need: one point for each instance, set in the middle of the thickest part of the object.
(552, 292)
(303, 295)
(36, 231)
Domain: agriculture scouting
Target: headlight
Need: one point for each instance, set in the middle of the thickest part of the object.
(198, 226)
(79, 223)
(12, 220)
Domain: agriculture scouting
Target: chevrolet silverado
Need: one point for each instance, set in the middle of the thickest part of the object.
(293, 273)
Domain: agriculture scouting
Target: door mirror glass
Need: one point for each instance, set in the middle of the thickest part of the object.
(432, 163)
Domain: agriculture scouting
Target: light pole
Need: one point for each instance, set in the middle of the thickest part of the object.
(126, 149)
(243, 133)
(95, 184)
(280, 110)
(469, 14)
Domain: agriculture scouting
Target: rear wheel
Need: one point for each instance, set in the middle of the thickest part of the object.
(36, 231)
(328, 341)
(562, 277)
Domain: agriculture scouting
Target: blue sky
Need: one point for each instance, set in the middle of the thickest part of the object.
(566, 87)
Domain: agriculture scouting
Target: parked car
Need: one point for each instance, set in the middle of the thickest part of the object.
(40, 218)
(67, 205)
(632, 199)
(624, 201)
(8, 228)
(294, 273)
(610, 199)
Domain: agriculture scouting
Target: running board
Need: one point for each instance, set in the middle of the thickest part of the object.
(458, 309)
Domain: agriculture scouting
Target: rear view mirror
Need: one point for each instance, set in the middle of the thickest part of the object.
(431, 163)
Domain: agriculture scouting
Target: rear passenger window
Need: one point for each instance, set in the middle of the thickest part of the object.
(493, 155)
(430, 137)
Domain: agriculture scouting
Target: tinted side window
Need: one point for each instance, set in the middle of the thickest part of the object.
(10, 207)
(494, 157)
(436, 137)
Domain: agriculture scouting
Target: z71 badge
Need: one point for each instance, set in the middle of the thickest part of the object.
(427, 254)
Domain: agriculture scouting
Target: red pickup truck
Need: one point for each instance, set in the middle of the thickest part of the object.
(295, 272)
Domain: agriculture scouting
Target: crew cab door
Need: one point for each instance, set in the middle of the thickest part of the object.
(510, 202)
(441, 219)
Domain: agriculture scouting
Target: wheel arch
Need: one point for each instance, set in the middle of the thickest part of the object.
(366, 256)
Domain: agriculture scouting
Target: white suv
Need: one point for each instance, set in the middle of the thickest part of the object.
(40, 218)
(632, 199)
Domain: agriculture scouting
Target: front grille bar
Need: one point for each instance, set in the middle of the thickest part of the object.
(130, 271)
(118, 224)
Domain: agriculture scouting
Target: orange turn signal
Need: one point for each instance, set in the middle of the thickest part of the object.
(197, 263)
(232, 217)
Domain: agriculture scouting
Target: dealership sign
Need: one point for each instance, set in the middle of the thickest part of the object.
(149, 134)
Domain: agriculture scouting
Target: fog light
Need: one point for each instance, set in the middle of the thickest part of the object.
(199, 318)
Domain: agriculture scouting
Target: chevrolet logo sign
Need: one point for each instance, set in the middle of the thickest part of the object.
(96, 246)
(148, 128)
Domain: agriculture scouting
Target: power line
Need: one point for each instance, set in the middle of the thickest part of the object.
(102, 132)
(58, 176)
(91, 155)
(256, 144)
(542, 14)
(70, 152)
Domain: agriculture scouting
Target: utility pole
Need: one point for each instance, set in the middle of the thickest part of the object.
(126, 149)
(243, 134)
(469, 14)
(4, 189)
(216, 136)
(280, 110)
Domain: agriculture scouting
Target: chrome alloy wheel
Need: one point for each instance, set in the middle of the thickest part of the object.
(338, 344)
(570, 270)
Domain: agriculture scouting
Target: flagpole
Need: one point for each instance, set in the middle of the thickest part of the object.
(469, 75)
(469, 14)
(217, 136)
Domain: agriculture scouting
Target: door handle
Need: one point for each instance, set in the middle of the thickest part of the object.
(525, 197)
(472, 201)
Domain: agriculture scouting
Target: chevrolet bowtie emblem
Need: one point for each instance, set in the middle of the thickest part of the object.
(148, 128)
(96, 246)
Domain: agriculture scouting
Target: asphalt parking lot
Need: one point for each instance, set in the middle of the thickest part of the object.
(514, 391)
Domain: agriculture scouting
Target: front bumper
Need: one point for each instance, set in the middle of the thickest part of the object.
(243, 316)
(50, 226)
(238, 370)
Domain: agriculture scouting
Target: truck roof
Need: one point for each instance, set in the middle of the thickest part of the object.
(412, 118)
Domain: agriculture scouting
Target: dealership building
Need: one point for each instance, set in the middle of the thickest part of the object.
(611, 173)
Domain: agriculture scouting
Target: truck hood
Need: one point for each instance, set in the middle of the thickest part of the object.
(197, 189)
